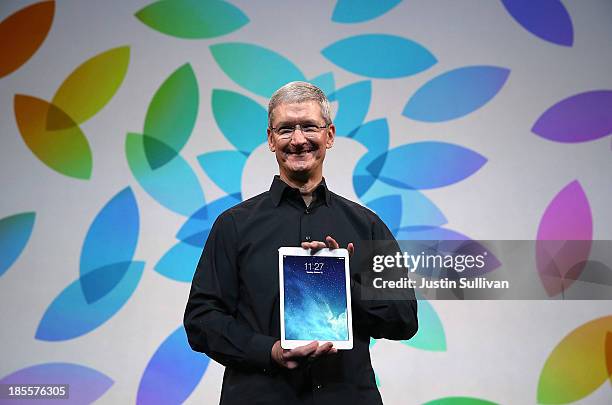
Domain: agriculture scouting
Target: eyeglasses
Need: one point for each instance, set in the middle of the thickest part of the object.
(309, 130)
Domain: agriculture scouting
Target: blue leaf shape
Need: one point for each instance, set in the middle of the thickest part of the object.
(429, 233)
(380, 56)
(356, 11)
(546, 19)
(86, 384)
(325, 82)
(374, 135)
(417, 165)
(174, 185)
(255, 68)
(179, 263)
(353, 104)
(111, 239)
(246, 133)
(417, 209)
(202, 220)
(15, 232)
(430, 335)
(173, 372)
(70, 315)
(224, 168)
(456, 93)
(389, 209)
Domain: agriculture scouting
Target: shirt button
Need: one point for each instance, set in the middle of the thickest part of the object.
(307, 238)
(307, 211)
(318, 386)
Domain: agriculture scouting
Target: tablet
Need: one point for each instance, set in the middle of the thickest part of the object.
(315, 297)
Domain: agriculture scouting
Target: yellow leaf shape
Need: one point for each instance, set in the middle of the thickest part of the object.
(65, 150)
(578, 365)
(91, 85)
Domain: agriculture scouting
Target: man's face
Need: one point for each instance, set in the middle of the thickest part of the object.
(301, 153)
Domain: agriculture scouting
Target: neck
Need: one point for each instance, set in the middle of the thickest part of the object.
(306, 185)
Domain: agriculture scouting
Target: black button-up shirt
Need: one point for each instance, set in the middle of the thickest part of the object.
(233, 310)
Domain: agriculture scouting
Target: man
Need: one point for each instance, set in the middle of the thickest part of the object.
(233, 310)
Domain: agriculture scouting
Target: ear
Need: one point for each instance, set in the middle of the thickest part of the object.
(331, 136)
(271, 144)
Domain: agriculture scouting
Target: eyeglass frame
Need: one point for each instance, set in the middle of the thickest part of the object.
(295, 128)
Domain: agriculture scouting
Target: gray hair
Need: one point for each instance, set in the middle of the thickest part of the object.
(299, 92)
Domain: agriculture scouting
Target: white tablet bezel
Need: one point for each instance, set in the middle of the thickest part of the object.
(295, 251)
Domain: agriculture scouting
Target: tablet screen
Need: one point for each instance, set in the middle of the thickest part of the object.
(315, 298)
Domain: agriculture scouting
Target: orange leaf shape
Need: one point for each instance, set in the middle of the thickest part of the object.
(67, 150)
(22, 33)
(578, 365)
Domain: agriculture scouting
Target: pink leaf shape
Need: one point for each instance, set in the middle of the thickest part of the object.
(564, 239)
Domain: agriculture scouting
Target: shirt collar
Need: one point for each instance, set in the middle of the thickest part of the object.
(278, 188)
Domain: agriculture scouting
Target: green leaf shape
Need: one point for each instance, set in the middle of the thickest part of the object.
(246, 133)
(577, 366)
(255, 68)
(193, 19)
(64, 150)
(171, 115)
(459, 401)
(91, 85)
(430, 335)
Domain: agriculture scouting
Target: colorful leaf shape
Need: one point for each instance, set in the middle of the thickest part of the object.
(460, 401)
(196, 228)
(380, 56)
(417, 165)
(173, 372)
(353, 104)
(15, 232)
(389, 209)
(579, 118)
(246, 133)
(179, 263)
(455, 93)
(91, 86)
(70, 315)
(86, 385)
(193, 18)
(171, 116)
(577, 365)
(22, 33)
(356, 11)
(64, 150)
(430, 335)
(224, 168)
(374, 135)
(174, 185)
(546, 19)
(417, 209)
(238, 61)
(325, 82)
(564, 239)
(111, 239)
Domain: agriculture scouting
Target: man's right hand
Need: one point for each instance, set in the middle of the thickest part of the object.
(291, 358)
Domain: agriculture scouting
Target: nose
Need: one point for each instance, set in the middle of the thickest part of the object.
(298, 138)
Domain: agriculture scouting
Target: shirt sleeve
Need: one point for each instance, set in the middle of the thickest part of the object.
(383, 313)
(210, 321)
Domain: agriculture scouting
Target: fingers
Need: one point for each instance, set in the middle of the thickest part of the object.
(301, 351)
(323, 350)
(331, 242)
(313, 245)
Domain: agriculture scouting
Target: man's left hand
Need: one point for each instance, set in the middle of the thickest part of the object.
(329, 243)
